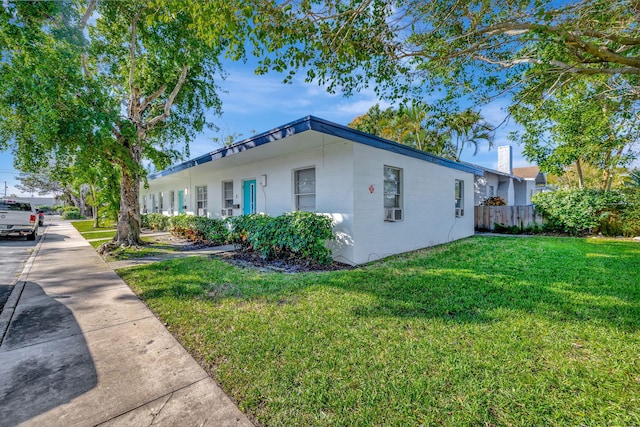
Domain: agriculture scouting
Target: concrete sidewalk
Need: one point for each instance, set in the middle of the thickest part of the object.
(81, 350)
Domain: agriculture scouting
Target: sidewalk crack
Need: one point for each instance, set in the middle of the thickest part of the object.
(153, 420)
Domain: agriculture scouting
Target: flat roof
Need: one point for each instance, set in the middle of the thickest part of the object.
(319, 125)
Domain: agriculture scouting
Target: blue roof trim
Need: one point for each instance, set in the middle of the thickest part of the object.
(319, 125)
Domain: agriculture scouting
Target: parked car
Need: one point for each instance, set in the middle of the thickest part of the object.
(18, 217)
(40, 217)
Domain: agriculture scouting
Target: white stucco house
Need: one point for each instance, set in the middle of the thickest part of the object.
(515, 186)
(385, 198)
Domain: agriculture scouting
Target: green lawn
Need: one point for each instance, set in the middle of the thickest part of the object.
(484, 331)
(87, 225)
(153, 249)
(96, 243)
(105, 232)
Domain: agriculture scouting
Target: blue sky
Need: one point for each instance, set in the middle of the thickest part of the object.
(254, 103)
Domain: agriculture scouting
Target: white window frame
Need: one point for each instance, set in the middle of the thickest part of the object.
(297, 194)
(172, 201)
(227, 200)
(160, 201)
(397, 193)
(201, 200)
(458, 192)
(392, 190)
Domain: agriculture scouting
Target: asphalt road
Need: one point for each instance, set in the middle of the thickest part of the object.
(14, 252)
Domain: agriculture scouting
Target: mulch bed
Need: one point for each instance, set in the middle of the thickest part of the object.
(249, 259)
(178, 243)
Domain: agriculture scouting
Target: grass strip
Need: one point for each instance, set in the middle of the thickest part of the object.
(488, 330)
(87, 225)
(96, 243)
(107, 234)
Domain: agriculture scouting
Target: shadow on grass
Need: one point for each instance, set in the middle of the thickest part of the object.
(477, 280)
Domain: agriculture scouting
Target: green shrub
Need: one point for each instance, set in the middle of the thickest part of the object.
(198, 229)
(155, 221)
(580, 211)
(71, 212)
(630, 213)
(251, 232)
(299, 235)
(494, 201)
(533, 228)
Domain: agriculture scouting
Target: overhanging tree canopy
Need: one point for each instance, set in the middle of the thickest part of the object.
(125, 81)
(477, 49)
(463, 44)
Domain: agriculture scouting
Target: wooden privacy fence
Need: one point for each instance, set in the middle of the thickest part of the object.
(519, 216)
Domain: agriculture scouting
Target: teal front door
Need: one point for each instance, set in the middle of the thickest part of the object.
(249, 190)
(180, 200)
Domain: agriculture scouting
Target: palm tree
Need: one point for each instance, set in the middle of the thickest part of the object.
(409, 125)
(634, 178)
(466, 128)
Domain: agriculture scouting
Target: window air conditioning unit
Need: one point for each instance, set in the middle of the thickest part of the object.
(393, 214)
(202, 212)
(459, 212)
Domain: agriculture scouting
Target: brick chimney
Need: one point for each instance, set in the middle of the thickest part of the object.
(505, 159)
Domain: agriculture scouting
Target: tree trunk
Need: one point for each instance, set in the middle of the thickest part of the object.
(606, 172)
(74, 200)
(606, 179)
(94, 195)
(129, 215)
(580, 177)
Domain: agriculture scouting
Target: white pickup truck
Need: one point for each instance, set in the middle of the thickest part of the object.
(18, 216)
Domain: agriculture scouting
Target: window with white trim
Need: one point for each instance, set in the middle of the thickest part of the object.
(160, 202)
(227, 194)
(201, 200)
(459, 195)
(392, 194)
(392, 187)
(305, 189)
(172, 200)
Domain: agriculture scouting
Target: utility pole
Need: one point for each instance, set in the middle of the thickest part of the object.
(5, 189)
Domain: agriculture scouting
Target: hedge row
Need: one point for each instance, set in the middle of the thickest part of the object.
(71, 212)
(612, 213)
(299, 235)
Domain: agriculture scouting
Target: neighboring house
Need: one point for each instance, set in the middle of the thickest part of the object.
(385, 198)
(506, 182)
(533, 174)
